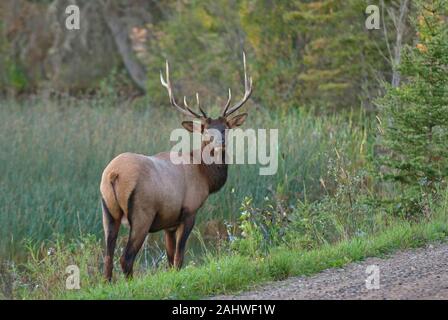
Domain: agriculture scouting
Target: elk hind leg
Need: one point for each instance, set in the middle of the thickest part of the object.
(111, 228)
(140, 221)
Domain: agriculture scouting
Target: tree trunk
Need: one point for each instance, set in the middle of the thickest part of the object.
(135, 69)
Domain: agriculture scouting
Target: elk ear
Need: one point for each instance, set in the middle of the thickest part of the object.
(236, 121)
(192, 126)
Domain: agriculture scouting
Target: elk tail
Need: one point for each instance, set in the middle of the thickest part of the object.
(109, 195)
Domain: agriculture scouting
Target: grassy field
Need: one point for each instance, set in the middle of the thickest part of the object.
(53, 153)
(322, 209)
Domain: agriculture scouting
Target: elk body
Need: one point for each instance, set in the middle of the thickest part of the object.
(151, 193)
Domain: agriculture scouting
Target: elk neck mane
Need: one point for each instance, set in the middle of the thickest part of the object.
(216, 175)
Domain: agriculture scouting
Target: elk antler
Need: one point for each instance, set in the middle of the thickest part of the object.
(199, 106)
(185, 109)
(247, 93)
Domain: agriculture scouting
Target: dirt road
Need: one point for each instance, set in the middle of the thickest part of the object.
(413, 274)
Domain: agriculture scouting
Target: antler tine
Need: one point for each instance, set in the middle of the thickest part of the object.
(247, 91)
(189, 109)
(227, 103)
(167, 85)
(199, 106)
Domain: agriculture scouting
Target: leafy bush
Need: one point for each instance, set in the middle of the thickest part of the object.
(260, 228)
(348, 209)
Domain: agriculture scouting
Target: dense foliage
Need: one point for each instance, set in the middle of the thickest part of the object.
(310, 53)
(314, 53)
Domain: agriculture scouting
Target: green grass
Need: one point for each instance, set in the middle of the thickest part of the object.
(228, 271)
(52, 153)
(234, 273)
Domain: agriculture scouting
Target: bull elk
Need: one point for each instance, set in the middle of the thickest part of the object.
(151, 193)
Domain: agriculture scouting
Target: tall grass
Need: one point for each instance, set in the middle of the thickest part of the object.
(52, 153)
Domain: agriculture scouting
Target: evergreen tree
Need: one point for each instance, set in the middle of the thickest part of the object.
(340, 55)
(414, 116)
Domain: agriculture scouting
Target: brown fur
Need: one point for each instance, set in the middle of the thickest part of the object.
(151, 194)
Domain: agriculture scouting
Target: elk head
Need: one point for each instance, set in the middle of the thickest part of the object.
(213, 130)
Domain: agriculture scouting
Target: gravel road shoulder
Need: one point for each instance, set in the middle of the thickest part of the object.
(412, 274)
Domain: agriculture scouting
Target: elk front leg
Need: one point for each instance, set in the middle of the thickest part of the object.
(182, 233)
(170, 246)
